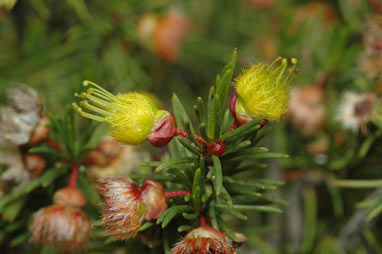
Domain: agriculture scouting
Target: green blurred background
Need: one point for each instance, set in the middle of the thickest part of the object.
(163, 46)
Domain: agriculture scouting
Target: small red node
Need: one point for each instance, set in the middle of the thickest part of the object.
(216, 148)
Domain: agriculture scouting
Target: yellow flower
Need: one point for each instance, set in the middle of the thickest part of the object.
(263, 90)
(130, 115)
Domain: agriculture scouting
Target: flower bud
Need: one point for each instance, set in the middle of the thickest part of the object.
(131, 116)
(154, 197)
(203, 240)
(41, 132)
(35, 164)
(164, 129)
(262, 91)
(69, 196)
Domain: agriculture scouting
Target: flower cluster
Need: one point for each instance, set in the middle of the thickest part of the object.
(261, 93)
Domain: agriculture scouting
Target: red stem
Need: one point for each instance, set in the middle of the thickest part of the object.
(233, 126)
(53, 144)
(183, 133)
(74, 176)
(171, 194)
(202, 220)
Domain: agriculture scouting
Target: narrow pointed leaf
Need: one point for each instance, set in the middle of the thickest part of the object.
(218, 181)
(179, 112)
(238, 131)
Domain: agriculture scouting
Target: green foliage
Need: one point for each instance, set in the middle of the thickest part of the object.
(210, 178)
(54, 45)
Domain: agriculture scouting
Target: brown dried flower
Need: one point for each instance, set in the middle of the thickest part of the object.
(62, 224)
(19, 119)
(370, 61)
(355, 110)
(307, 109)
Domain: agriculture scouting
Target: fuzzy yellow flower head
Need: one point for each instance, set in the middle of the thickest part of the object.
(263, 90)
(131, 115)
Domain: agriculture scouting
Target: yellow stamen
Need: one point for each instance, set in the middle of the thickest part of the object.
(104, 91)
(99, 102)
(273, 63)
(96, 92)
(86, 104)
(87, 115)
(279, 71)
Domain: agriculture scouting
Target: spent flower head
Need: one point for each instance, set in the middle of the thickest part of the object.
(355, 110)
(127, 204)
(206, 240)
(62, 224)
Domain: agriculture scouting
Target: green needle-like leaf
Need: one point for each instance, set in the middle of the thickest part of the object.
(179, 112)
(183, 228)
(190, 216)
(223, 82)
(232, 212)
(170, 213)
(197, 188)
(146, 225)
(238, 132)
(227, 229)
(218, 181)
(184, 162)
(358, 183)
(188, 145)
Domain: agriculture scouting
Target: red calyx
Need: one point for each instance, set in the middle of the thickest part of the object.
(164, 129)
(240, 118)
(232, 103)
(216, 148)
